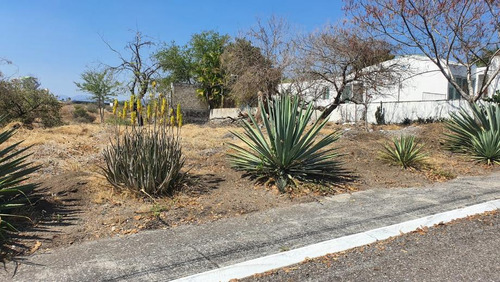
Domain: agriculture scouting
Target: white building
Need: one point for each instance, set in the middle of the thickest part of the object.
(422, 91)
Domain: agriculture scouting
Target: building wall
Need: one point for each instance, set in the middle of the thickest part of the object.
(186, 95)
(194, 109)
(397, 112)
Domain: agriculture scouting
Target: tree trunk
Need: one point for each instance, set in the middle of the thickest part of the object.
(331, 107)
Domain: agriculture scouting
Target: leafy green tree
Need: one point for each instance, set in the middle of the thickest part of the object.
(198, 62)
(101, 85)
(22, 99)
(178, 62)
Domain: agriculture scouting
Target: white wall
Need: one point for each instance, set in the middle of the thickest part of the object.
(396, 112)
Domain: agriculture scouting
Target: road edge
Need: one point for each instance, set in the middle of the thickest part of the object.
(283, 259)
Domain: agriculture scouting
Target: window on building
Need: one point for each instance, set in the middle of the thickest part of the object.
(325, 93)
(454, 94)
(358, 91)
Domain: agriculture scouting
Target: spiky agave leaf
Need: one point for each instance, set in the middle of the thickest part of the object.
(286, 149)
(404, 151)
(475, 133)
(464, 126)
(14, 171)
(486, 147)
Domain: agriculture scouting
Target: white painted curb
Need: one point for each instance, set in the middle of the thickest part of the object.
(263, 264)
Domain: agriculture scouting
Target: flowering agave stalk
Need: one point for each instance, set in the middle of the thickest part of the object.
(287, 149)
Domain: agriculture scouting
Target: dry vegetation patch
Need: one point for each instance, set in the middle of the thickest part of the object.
(77, 203)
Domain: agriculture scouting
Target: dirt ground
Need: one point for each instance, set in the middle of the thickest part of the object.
(76, 204)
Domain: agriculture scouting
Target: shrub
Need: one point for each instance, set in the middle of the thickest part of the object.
(24, 100)
(475, 134)
(406, 121)
(287, 150)
(81, 115)
(92, 108)
(14, 171)
(114, 120)
(404, 151)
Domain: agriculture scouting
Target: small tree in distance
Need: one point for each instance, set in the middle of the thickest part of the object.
(101, 85)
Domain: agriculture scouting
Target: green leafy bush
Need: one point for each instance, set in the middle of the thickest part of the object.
(14, 171)
(404, 151)
(80, 114)
(287, 149)
(23, 100)
(476, 133)
(146, 160)
(92, 108)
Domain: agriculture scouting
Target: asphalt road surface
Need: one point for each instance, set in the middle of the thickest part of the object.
(464, 250)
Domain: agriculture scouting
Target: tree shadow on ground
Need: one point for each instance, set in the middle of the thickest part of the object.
(43, 220)
(199, 184)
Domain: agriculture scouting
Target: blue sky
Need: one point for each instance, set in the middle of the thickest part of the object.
(55, 40)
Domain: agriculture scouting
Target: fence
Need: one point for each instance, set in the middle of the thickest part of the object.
(394, 112)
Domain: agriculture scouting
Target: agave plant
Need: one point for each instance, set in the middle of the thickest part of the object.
(14, 171)
(405, 151)
(286, 150)
(476, 133)
(486, 147)
(146, 160)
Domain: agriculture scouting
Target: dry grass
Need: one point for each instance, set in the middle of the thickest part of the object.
(70, 156)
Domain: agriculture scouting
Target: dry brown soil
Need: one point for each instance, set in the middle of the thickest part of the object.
(77, 204)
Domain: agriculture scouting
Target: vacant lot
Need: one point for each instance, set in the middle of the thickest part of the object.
(77, 204)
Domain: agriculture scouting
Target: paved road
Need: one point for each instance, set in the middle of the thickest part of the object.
(466, 250)
(168, 254)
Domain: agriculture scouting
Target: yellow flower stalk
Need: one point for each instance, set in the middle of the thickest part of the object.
(172, 120)
(163, 106)
(171, 112)
(115, 106)
(179, 115)
(131, 103)
(133, 116)
(139, 106)
(149, 112)
(124, 112)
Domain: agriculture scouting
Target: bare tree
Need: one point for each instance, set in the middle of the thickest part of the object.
(143, 68)
(341, 57)
(273, 38)
(450, 33)
(247, 72)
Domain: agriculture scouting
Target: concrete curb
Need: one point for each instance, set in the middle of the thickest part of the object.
(267, 263)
